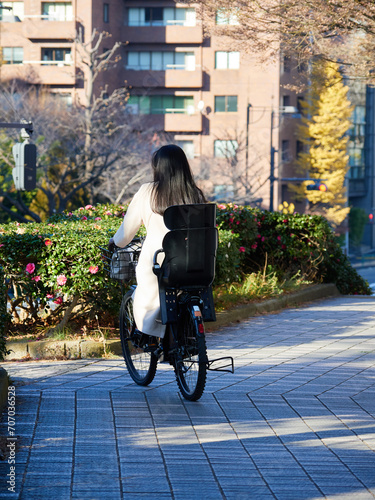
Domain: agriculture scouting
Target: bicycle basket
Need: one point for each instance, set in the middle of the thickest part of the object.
(122, 262)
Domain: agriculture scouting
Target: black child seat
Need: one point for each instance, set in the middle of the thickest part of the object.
(189, 250)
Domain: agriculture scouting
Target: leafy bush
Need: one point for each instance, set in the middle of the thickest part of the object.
(54, 270)
(291, 243)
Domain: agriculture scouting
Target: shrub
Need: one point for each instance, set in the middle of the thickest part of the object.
(54, 270)
(291, 243)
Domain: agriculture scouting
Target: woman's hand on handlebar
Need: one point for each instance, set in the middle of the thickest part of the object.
(111, 245)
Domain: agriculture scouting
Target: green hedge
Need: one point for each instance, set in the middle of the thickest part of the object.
(291, 243)
(55, 268)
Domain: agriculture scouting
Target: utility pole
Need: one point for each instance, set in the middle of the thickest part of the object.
(272, 164)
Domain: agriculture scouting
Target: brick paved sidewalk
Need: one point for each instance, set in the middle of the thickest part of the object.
(295, 421)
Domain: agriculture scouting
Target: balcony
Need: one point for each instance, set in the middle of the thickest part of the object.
(357, 188)
(51, 73)
(182, 122)
(37, 28)
(163, 34)
(171, 78)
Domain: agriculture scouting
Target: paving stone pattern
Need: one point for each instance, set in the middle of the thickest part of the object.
(295, 420)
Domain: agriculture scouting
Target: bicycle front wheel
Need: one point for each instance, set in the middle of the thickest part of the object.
(190, 364)
(137, 347)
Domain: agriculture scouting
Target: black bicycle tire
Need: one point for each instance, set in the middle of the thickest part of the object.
(194, 390)
(127, 331)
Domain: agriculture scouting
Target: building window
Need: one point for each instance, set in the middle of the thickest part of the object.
(286, 101)
(299, 148)
(286, 64)
(106, 12)
(227, 60)
(161, 61)
(56, 56)
(57, 11)
(285, 150)
(356, 144)
(300, 106)
(224, 17)
(188, 147)
(11, 10)
(12, 55)
(160, 104)
(225, 149)
(225, 104)
(64, 97)
(223, 192)
(161, 16)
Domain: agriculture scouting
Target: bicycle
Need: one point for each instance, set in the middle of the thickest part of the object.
(185, 278)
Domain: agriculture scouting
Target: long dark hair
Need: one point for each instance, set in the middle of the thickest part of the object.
(173, 180)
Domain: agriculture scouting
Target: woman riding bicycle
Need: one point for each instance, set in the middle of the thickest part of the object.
(173, 185)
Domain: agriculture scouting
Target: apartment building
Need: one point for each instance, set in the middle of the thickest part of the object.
(213, 100)
(230, 114)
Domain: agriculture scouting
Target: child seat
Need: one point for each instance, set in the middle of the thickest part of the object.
(189, 257)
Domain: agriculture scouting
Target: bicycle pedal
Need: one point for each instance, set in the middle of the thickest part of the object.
(158, 352)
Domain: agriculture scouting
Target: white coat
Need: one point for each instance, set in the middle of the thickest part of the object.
(146, 297)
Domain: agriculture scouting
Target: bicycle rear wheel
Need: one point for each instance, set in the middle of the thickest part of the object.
(137, 347)
(190, 364)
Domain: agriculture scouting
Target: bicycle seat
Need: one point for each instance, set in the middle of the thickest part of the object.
(189, 247)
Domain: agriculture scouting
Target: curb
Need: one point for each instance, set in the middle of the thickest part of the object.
(314, 292)
(78, 349)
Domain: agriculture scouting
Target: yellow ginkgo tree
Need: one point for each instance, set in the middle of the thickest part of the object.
(323, 131)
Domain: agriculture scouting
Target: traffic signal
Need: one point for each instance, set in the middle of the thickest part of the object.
(317, 186)
(371, 217)
(24, 172)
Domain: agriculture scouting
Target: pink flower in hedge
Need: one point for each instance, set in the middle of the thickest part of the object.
(237, 222)
(242, 249)
(230, 221)
(47, 242)
(93, 269)
(36, 278)
(58, 301)
(263, 238)
(254, 245)
(221, 206)
(70, 214)
(279, 238)
(81, 208)
(87, 207)
(49, 295)
(84, 217)
(259, 236)
(108, 212)
(1, 244)
(30, 268)
(98, 218)
(61, 279)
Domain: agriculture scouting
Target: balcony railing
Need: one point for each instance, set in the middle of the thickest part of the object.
(173, 34)
(171, 78)
(182, 122)
(44, 27)
(50, 72)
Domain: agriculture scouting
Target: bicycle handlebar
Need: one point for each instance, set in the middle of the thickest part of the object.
(155, 264)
